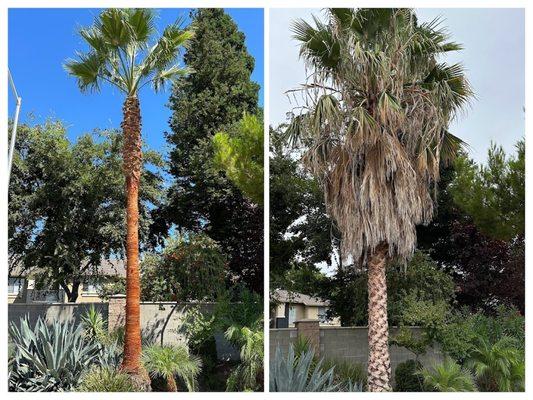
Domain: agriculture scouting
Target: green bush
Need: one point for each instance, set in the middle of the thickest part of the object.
(49, 357)
(500, 366)
(407, 378)
(448, 376)
(248, 375)
(105, 380)
(171, 361)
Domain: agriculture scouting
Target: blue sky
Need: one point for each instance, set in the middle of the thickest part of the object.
(493, 55)
(40, 40)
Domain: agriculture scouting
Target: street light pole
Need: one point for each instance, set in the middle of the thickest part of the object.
(15, 124)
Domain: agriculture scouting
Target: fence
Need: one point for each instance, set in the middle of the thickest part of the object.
(161, 322)
(344, 343)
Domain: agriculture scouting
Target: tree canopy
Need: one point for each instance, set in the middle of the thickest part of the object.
(67, 202)
(493, 194)
(190, 267)
(200, 198)
(239, 153)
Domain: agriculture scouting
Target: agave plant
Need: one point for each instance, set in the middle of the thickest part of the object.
(169, 361)
(498, 367)
(296, 374)
(449, 377)
(49, 357)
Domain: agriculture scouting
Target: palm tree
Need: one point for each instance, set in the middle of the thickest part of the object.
(248, 375)
(121, 53)
(498, 367)
(449, 377)
(373, 131)
(169, 361)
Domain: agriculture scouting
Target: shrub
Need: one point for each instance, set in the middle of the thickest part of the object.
(498, 367)
(105, 380)
(171, 361)
(248, 375)
(49, 358)
(407, 377)
(448, 377)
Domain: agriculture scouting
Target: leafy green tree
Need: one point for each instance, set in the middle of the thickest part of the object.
(66, 203)
(189, 268)
(374, 132)
(493, 194)
(301, 233)
(420, 281)
(211, 100)
(239, 153)
(124, 53)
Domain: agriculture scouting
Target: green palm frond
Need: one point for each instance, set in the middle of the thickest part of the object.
(168, 361)
(121, 54)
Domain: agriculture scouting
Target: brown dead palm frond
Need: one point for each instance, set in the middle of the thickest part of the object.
(375, 121)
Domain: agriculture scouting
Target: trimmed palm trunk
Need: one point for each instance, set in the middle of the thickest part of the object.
(131, 127)
(379, 369)
(171, 384)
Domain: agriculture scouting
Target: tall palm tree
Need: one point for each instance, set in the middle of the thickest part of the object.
(373, 126)
(123, 54)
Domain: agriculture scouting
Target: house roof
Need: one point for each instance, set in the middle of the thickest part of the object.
(285, 296)
(114, 267)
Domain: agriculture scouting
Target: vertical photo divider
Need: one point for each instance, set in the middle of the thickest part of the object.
(266, 215)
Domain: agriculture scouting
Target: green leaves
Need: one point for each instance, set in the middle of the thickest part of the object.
(119, 54)
(67, 201)
(191, 267)
(239, 154)
(493, 194)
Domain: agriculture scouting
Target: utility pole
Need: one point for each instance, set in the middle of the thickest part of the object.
(15, 124)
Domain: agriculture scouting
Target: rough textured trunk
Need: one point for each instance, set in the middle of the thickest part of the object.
(131, 128)
(379, 370)
(171, 384)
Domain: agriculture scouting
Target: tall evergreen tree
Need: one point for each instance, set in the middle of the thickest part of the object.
(201, 198)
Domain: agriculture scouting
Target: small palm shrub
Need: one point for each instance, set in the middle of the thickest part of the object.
(296, 374)
(105, 379)
(448, 377)
(407, 377)
(248, 375)
(49, 357)
(171, 361)
(498, 367)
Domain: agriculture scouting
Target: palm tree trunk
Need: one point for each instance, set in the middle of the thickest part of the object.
(171, 384)
(379, 370)
(131, 127)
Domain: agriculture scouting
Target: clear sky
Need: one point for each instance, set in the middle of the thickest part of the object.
(40, 40)
(494, 47)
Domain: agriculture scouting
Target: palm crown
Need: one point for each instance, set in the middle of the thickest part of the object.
(121, 54)
(375, 119)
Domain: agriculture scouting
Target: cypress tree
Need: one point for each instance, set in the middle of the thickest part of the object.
(210, 100)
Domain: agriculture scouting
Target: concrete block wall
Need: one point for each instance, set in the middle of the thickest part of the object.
(51, 312)
(161, 322)
(346, 344)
